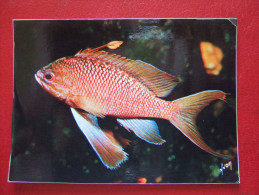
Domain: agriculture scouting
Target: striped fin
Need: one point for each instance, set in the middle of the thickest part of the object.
(185, 111)
(111, 154)
(144, 129)
(157, 81)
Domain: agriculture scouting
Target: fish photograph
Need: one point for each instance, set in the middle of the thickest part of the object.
(124, 101)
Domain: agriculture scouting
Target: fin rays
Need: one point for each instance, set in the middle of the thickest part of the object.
(187, 110)
(144, 129)
(112, 155)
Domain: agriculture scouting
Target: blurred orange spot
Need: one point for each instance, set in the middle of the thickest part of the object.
(159, 179)
(218, 108)
(225, 152)
(33, 144)
(142, 180)
(211, 56)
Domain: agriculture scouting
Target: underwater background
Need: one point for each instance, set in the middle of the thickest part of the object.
(47, 145)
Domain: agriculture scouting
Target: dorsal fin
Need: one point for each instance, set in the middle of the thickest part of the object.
(157, 81)
(110, 45)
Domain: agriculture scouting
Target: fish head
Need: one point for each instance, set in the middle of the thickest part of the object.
(53, 78)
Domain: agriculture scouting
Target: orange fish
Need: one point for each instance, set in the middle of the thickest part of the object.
(95, 84)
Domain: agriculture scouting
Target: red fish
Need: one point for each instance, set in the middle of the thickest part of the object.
(95, 84)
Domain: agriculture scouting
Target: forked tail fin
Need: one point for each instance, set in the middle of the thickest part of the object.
(186, 110)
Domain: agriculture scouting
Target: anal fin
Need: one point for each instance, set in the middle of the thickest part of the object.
(144, 129)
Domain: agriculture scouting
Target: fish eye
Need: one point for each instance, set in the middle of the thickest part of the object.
(49, 77)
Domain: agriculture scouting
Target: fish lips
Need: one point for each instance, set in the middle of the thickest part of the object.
(39, 76)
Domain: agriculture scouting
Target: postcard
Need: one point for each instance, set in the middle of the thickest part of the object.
(150, 101)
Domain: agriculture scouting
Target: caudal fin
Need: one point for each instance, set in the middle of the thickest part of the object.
(187, 109)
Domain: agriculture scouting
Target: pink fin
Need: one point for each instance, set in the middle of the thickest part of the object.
(111, 154)
(187, 109)
(157, 81)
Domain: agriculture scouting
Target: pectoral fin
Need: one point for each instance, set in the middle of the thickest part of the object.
(144, 129)
(111, 154)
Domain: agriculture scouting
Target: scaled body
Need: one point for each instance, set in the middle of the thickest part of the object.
(95, 83)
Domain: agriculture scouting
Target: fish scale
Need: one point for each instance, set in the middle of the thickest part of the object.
(122, 96)
(95, 84)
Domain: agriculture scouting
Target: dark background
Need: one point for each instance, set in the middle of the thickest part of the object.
(48, 146)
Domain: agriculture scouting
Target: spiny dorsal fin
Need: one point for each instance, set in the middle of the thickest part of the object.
(157, 81)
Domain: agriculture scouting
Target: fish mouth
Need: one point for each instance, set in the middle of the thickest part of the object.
(38, 77)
